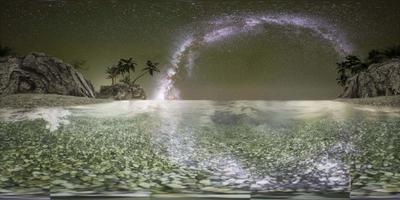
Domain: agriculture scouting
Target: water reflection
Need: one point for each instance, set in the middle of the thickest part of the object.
(204, 147)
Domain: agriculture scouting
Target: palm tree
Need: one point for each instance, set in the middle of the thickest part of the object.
(354, 64)
(112, 73)
(151, 68)
(392, 52)
(351, 64)
(5, 51)
(120, 68)
(126, 80)
(126, 65)
(375, 56)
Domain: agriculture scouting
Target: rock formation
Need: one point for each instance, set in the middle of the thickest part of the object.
(39, 73)
(382, 79)
(122, 91)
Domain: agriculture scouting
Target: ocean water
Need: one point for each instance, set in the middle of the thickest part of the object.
(194, 148)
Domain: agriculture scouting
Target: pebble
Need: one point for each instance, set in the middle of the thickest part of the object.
(175, 186)
(240, 181)
(263, 182)
(255, 187)
(205, 182)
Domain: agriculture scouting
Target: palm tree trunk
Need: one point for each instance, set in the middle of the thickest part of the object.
(137, 78)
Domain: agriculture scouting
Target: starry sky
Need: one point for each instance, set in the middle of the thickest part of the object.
(274, 62)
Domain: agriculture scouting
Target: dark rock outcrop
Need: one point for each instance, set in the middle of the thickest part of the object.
(39, 73)
(122, 91)
(381, 79)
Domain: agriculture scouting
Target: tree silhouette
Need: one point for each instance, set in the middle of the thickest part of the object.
(5, 51)
(379, 56)
(354, 64)
(79, 64)
(375, 56)
(112, 73)
(151, 68)
(126, 65)
(126, 80)
(392, 52)
(341, 70)
(350, 65)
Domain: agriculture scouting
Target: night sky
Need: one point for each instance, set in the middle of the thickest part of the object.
(270, 62)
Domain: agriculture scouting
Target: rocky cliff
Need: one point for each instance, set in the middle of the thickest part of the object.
(381, 79)
(39, 73)
(122, 91)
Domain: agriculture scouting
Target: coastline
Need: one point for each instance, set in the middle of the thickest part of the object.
(45, 100)
(54, 100)
(382, 101)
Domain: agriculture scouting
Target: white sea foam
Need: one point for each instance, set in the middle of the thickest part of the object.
(54, 117)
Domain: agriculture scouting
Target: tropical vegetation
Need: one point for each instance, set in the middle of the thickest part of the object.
(122, 71)
(79, 64)
(352, 65)
(5, 51)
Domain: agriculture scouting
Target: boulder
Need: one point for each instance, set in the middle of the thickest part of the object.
(122, 91)
(40, 73)
(382, 79)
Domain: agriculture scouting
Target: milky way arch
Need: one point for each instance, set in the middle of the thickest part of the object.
(226, 27)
